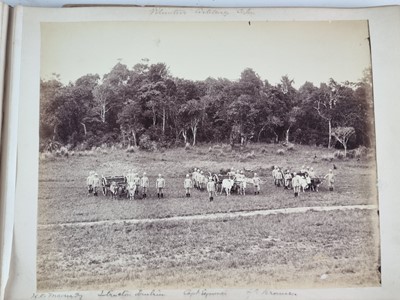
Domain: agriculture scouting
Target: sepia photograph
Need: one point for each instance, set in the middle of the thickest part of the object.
(185, 155)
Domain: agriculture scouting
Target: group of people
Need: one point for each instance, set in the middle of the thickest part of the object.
(134, 184)
(137, 183)
(306, 179)
(215, 182)
(201, 182)
(303, 180)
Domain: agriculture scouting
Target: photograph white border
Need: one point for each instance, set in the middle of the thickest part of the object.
(384, 26)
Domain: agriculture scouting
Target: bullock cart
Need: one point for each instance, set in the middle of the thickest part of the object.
(114, 185)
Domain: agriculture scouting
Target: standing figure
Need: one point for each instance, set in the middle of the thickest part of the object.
(303, 169)
(187, 185)
(160, 185)
(198, 179)
(129, 176)
(194, 177)
(238, 182)
(256, 183)
(211, 188)
(113, 189)
(89, 182)
(95, 183)
(278, 177)
(311, 173)
(144, 182)
(274, 174)
(131, 190)
(308, 181)
(288, 180)
(296, 184)
(136, 180)
(331, 179)
(231, 172)
(243, 183)
(202, 181)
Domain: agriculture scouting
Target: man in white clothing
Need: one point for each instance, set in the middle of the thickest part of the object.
(160, 185)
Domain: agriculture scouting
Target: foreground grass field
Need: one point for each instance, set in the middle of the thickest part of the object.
(268, 251)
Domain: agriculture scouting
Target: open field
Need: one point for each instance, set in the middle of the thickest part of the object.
(270, 251)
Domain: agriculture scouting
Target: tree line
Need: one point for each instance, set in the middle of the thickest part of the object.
(146, 104)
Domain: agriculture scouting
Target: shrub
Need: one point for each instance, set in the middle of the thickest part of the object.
(82, 146)
(338, 154)
(131, 149)
(165, 143)
(109, 138)
(242, 158)
(227, 148)
(250, 155)
(64, 151)
(86, 153)
(361, 151)
(199, 151)
(328, 157)
(50, 145)
(351, 153)
(280, 151)
(220, 153)
(47, 156)
(146, 143)
(290, 147)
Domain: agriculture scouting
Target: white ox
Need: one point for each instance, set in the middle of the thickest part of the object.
(227, 184)
(303, 183)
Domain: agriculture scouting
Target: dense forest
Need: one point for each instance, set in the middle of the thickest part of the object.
(147, 105)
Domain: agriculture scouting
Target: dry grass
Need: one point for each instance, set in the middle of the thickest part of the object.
(275, 251)
(268, 251)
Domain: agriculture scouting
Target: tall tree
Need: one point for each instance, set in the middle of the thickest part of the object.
(112, 92)
(48, 105)
(242, 113)
(290, 104)
(157, 92)
(325, 102)
(192, 113)
(83, 91)
(130, 120)
(342, 135)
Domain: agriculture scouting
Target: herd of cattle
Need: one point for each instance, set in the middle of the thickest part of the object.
(133, 185)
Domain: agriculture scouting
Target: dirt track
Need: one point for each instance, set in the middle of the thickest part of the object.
(215, 215)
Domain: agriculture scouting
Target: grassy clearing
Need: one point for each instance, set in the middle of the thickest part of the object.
(264, 251)
(63, 195)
